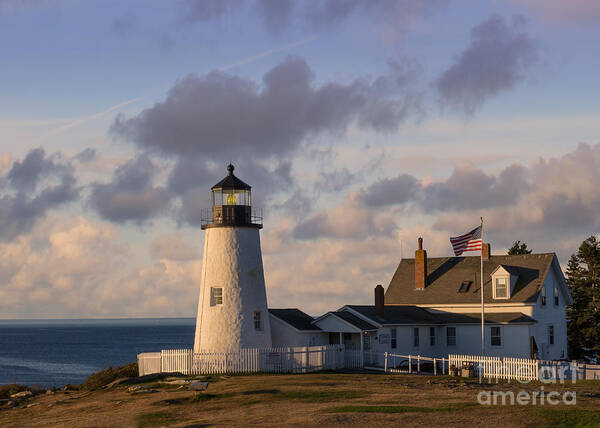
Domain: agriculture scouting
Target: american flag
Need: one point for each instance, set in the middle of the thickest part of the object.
(468, 242)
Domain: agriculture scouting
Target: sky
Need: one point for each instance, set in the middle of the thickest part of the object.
(361, 125)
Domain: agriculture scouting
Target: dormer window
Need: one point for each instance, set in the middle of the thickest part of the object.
(501, 287)
(504, 279)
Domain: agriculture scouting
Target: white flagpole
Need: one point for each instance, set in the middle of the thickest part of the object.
(482, 304)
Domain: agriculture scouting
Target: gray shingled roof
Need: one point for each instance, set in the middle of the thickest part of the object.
(495, 318)
(397, 314)
(446, 274)
(295, 317)
(416, 315)
(354, 320)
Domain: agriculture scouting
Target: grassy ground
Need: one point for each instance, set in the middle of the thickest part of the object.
(318, 399)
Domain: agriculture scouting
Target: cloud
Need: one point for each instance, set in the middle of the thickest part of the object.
(390, 17)
(350, 219)
(173, 247)
(560, 201)
(130, 196)
(220, 116)
(25, 175)
(496, 60)
(74, 267)
(391, 191)
(560, 11)
(86, 155)
(466, 188)
(336, 270)
(336, 180)
(277, 14)
(471, 188)
(206, 10)
(32, 187)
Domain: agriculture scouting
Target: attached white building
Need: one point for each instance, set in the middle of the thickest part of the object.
(432, 307)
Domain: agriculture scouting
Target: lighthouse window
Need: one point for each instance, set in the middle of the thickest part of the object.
(231, 199)
(216, 296)
(257, 323)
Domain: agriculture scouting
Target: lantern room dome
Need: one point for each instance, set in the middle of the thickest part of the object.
(231, 182)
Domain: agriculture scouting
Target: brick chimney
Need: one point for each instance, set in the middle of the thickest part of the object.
(379, 301)
(420, 267)
(486, 251)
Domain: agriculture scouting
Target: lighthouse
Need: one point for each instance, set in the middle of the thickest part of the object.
(232, 307)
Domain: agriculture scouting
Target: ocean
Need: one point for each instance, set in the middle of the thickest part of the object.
(56, 352)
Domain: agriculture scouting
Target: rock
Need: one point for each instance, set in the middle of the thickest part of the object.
(7, 403)
(176, 382)
(145, 391)
(32, 404)
(198, 386)
(50, 392)
(140, 389)
(115, 382)
(22, 394)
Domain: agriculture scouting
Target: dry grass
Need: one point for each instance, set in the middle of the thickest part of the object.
(319, 399)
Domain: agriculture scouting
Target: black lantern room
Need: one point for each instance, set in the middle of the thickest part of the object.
(231, 204)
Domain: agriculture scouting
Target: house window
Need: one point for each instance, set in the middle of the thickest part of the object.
(450, 336)
(555, 296)
(543, 296)
(501, 288)
(416, 336)
(257, 321)
(496, 336)
(551, 334)
(216, 296)
(394, 336)
(432, 336)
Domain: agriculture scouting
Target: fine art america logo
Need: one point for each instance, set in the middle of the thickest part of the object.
(548, 375)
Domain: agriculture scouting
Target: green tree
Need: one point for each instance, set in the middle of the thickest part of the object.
(583, 279)
(518, 248)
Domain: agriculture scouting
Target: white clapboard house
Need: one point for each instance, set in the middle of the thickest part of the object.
(432, 308)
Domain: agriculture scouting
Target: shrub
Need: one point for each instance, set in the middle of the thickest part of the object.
(106, 376)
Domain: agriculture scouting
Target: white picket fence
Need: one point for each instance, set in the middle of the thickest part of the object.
(353, 359)
(397, 363)
(248, 360)
(336, 357)
(523, 369)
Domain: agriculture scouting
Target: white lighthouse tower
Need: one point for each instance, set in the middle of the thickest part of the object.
(232, 309)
